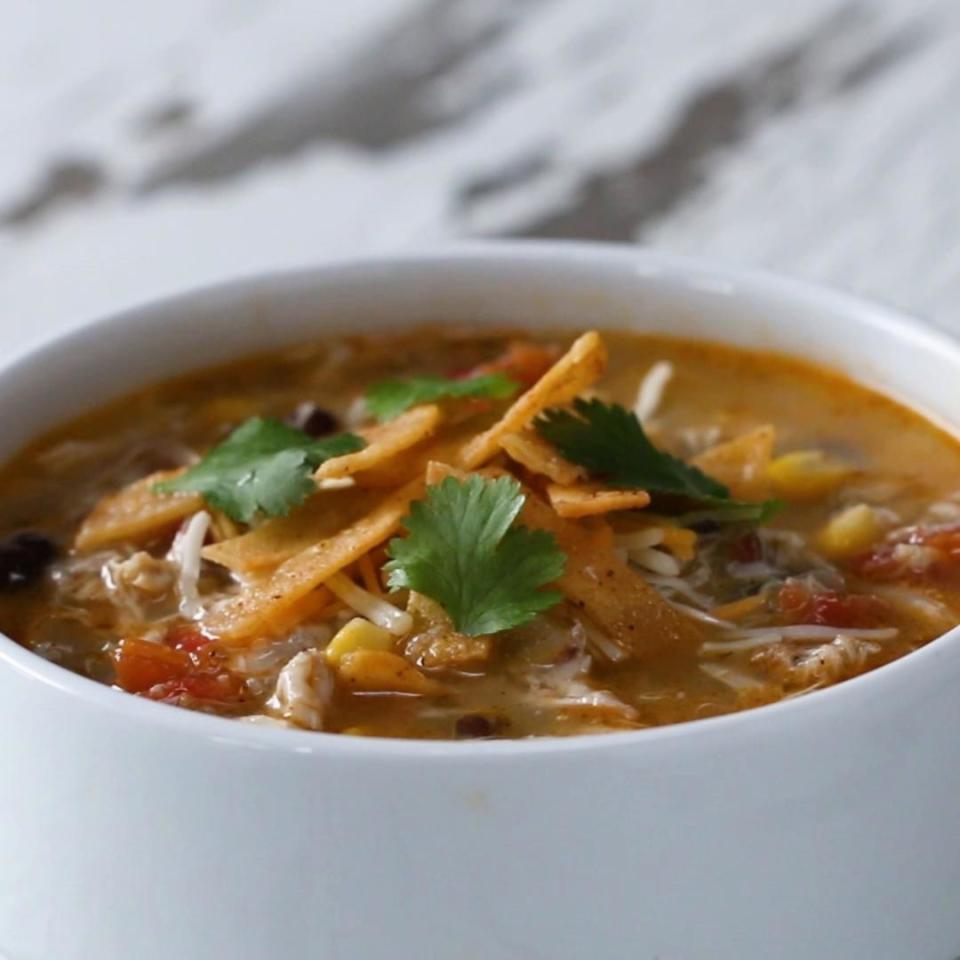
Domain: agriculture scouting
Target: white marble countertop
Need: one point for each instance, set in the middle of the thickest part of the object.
(153, 146)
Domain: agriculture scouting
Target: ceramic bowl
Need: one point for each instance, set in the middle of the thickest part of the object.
(823, 827)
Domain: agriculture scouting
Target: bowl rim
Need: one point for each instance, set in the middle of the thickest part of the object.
(679, 269)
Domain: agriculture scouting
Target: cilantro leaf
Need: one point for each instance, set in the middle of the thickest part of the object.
(264, 466)
(387, 399)
(463, 550)
(611, 443)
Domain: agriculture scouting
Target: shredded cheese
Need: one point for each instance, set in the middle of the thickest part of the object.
(652, 388)
(374, 608)
(185, 553)
(763, 636)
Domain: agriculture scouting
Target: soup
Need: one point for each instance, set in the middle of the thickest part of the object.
(458, 534)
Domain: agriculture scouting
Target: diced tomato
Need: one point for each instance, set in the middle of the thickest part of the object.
(221, 687)
(945, 539)
(141, 664)
(522, 361)
(185, 636)
(923, 553)
(187, 665)
(747, 549)
(829, 608)
(881, 563)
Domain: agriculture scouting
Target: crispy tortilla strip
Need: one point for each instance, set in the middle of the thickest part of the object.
(392, 473)
(611, 593)
(615, 597)
(592, 499)
(530, 450)
(136, 513)
(318, 603)
(437, 470)
(263, 605)
(222, 527)
(385, 443)
(278, 539)
(576, 370)
(742, 463)
(435, 644)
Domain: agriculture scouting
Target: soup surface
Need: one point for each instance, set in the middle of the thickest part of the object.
(475, 534)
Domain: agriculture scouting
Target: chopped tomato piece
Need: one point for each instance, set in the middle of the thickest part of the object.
(944, 539)
(747, 549)
(922, 553)
(141, 664)
(829, 608)
(181, 667)
(185, 636)
(881, 563)
(221, 687)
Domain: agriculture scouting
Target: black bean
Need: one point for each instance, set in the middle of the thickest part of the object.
(316, 422)
(705, 526)
(23, 558)
(474, 726)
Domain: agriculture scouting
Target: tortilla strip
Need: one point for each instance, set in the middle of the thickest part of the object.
(597, 582)
(262, 605)
(385, 442)
(393, 473)
(530, 450)
(576, 370)
(136, 513)
(615, 597)
(741, 464)
(592, 499)
(435, 644)
(275, 540)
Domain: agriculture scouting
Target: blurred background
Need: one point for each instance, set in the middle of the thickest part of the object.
(149, 147)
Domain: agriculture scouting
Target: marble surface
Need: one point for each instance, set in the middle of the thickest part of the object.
(149, 147)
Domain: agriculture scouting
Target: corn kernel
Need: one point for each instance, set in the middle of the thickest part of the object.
(851, 531)
(357, 634)
(806, 474)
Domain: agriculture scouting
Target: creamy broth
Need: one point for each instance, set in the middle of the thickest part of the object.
(855, 564)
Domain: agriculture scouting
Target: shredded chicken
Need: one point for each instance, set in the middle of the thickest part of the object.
(565, 687)
(303, 692)
(798, 667)
(141, 583)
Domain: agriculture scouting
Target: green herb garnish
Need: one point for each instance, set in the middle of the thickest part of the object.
(611, 443)
(389, 398)
(464, 550)
(264, 466)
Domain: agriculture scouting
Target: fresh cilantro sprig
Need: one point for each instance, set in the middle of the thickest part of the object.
(611, 443)
(464, 550)
(264, 466)
(389, 398)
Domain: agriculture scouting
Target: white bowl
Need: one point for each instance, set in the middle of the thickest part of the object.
(827, 826)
